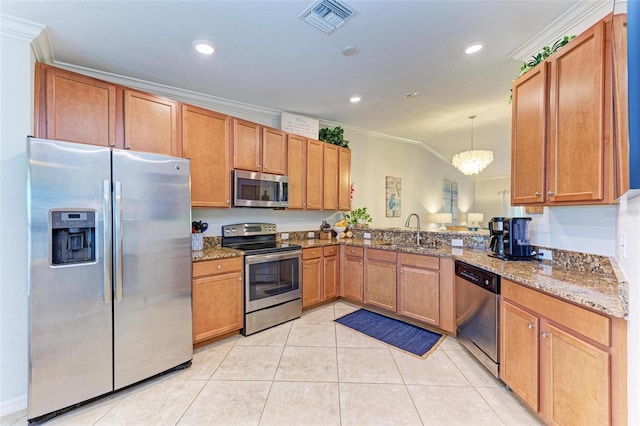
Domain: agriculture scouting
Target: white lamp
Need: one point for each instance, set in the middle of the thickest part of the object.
(442, 218)
(473, 219)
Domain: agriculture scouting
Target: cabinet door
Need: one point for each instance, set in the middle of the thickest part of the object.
(311, 282)
(78, 108)
(380, 284)
(205, 140)
(575, 380)
(351, 286)
(519, 352)
(297, 169)
(246, 146)
(576, 164)
(151, 124)
(274, 151)
(314, 174)
(621, 102)
(344, 179)
(331, 277)
(330, 177)
(528, 137)
(217, 305)
(419, 294)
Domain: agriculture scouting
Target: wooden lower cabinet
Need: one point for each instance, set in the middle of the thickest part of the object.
(320, 272)
(380, 282)
(311, 276)
(419, 294)
(352, 273)
(217, 298)
(565, 362)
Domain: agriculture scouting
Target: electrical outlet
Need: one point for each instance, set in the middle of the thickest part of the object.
(623, 245)
(367, 235)
(284, 236)
(311, 234)
(545, 254)
(457, 242)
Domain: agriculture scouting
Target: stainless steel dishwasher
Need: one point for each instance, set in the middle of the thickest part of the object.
(477, 313)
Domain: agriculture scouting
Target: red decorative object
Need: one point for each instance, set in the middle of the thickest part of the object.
(352, 190)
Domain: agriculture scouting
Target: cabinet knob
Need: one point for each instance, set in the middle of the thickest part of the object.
(258, 166)
(304, 204)
(239, 278)
(393, 269)
(537, 194)
(544, 334)
(360, 263)
(219, 267)
(529, 325)
(549, 192)
(305, 266)
(326, 263)
(227, 201)
(401, 271)
(127, 147)
(112, 145)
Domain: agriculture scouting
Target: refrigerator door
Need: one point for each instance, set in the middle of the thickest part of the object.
(152, 265)
(70, 327)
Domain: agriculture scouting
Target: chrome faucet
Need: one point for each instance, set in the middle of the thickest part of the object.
(407, 225)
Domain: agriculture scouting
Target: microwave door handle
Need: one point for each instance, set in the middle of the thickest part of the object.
(280, 191)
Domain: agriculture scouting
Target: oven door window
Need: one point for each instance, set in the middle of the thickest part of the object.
(273, 278)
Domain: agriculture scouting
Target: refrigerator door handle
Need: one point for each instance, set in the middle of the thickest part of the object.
(117, 237)
(106, 238)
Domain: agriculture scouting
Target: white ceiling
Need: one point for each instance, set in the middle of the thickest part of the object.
(266, 56)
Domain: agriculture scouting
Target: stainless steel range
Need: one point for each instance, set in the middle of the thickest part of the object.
(272, 275)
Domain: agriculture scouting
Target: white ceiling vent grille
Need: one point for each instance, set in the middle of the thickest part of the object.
(327, 15)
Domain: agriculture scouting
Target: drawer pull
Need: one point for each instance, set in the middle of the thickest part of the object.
(219, 267)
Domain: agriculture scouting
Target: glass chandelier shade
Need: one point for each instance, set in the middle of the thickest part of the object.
(473, 161)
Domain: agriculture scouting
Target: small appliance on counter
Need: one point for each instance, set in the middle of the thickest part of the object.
(510, 238)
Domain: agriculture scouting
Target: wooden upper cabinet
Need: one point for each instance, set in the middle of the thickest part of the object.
(205, 140)
(297, 171)
(75, 108)
(274, 151)
(620, 103)
(344, 179)
(151, 124)
(258, 148)
(576, 164)
(330, 177)
(528, 136)
(246, 145)
(314, 174)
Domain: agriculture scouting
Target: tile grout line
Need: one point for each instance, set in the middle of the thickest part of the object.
(404, 383)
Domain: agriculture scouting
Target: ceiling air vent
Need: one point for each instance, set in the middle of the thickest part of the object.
(327, 15)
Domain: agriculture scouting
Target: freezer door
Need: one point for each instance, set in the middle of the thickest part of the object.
(152, 265)
(70, 328)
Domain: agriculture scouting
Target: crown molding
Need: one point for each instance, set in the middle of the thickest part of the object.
(574, 21)
(30, 32)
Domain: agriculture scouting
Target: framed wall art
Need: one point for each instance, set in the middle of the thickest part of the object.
(393, 196)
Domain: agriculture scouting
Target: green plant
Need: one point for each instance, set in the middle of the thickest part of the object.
(333, 136)
(358, 216)
(541, 56)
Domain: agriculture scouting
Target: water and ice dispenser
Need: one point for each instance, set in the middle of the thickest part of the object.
(73, 237)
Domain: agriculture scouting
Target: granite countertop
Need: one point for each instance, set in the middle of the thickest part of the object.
(606, 293)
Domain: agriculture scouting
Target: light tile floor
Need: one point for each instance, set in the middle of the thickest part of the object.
(311, 371)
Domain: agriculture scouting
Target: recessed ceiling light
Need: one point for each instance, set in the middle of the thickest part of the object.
(355, 99)
(203, 47)
(410, 95)
(473, 48)
(350, 50)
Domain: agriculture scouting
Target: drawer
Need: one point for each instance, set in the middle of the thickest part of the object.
(383, 255)
(429, 262)
(311, 253)
(353, 251)
(218, 266)
(330, 250)
(588, 323)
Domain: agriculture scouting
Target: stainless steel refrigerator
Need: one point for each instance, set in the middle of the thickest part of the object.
(109, 270)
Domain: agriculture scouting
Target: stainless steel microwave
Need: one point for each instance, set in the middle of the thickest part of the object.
(253, 189)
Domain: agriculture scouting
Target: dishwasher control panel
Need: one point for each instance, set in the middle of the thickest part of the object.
(480, 277)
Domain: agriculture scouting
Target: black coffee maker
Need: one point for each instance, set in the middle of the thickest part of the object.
(496, 239)
(517, 245)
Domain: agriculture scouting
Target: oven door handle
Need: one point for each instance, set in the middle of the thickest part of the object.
(260, 258)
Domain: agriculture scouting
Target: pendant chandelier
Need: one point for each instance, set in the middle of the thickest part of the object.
(473, 161)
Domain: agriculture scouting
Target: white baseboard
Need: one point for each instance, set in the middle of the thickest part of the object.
(13, 405)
